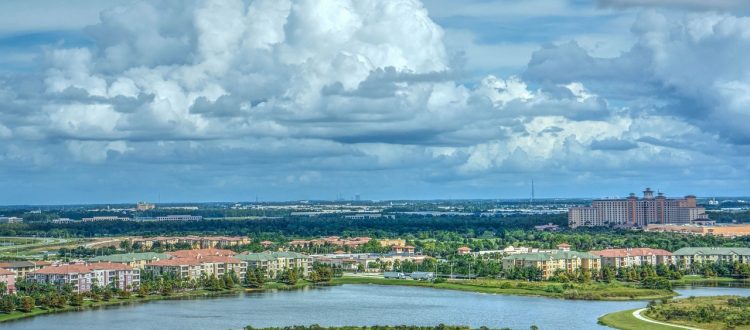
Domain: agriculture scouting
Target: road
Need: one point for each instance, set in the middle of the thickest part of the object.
(638, 315)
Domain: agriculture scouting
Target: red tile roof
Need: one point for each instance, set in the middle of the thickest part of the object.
(109, 266)
(176, 262)
(6, 272)
(198, 253)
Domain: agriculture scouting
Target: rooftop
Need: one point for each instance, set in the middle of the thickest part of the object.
(130, 257)
(557, 255)
(689, 251)
(634, 252)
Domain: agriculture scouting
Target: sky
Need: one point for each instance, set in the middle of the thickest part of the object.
(109, 101)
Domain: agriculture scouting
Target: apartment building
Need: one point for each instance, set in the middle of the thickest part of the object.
(633, 257)
(192, 264)
(195, 242)
(725, 230)
(353, 242)
(83, 276)
(199, 253)
(689, 255)
(635, 212)
(188, 268)
(9, 279)
(550, 262)
(355, 261)
(274, 263)
(134, 260)
(21, 268)
(391, 242)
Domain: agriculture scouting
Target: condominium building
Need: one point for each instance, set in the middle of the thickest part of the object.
(21, 268)
(274, 263)
(391, 242)
(725, 230)
(633, 257)
(200, 253)
(83, 276)
(689, 255)
(357, 261)
(11, 220)
(195, 242)
(187, 268)
(9, 279)
(191, 264)
(105, 218)
(550, 262)
(635, 212)
(135, 260)
(353, 242)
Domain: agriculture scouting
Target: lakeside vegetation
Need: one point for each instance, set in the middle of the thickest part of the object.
(589, 291)
(380, 327)
(711, 313)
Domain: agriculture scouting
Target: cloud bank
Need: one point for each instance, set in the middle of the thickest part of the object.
(306, 99)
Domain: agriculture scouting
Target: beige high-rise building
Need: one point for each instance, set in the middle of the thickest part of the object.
(635, 212)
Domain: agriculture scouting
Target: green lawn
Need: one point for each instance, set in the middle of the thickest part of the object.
(697, 279)
(594, 291)
(626, 321)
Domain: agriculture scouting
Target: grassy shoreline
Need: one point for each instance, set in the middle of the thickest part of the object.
(88, 304)
(697, 279)
(625, 320)
(521, 288)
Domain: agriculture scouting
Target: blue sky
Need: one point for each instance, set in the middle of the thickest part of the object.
(119, 101)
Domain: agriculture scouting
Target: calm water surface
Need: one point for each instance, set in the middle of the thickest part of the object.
(349, 305)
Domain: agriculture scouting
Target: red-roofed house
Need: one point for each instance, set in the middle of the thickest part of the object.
(463, 250)
(633, 257)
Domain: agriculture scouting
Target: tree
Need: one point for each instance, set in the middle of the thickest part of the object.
(76, 299)
(8, 304)
(289, 276)
(27, 304)
(106, 295)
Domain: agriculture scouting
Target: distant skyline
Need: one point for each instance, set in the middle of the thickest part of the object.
(116, 101)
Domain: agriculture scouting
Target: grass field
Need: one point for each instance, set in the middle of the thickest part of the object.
(626, 321)
(697, 279)
(597, 291)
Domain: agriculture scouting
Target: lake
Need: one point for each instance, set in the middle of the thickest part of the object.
(349, 305)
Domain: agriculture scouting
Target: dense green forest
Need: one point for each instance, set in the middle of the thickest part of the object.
(288, 226)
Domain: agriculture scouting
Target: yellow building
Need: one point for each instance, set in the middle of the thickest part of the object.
(392, 242)
(550, 262)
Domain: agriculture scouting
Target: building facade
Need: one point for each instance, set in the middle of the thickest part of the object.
(689, 255)
(633, 257)
(134, 260)
(9, 279)
(274, 263)
(192, 264)
(83, 276)
(550, 262)
(635, 212)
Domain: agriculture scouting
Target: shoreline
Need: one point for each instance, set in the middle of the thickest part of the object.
(512, 291)
(530, 289)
